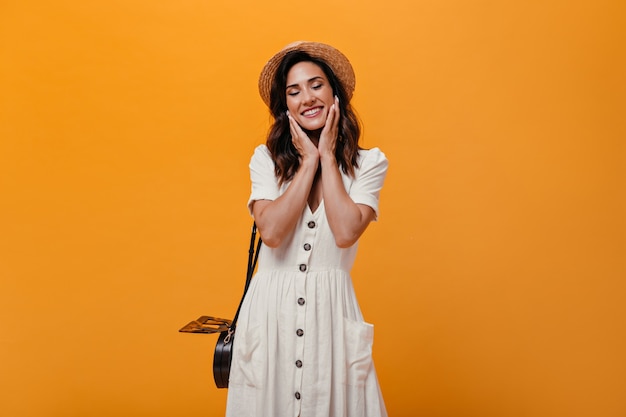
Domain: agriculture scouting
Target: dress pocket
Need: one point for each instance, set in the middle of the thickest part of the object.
(247, 359)
(359, 337)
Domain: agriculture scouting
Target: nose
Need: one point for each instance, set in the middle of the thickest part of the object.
(308, 97)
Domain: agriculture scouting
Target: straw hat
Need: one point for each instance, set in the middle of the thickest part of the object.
(337, 62)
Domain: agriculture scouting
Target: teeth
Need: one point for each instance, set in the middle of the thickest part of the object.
(311, 112)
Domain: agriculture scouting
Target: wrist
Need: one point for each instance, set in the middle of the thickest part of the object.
(328, 158)
(309, 161)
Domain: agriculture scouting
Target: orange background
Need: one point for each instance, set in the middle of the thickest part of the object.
(495, 276)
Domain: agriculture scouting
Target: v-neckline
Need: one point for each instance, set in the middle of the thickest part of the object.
(317, 209)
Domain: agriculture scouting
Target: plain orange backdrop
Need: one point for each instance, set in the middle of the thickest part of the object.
(495, 276)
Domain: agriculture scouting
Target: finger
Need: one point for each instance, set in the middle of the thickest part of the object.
(299, 137)
(330, 119)
(333, 117)
(336, 110)
(330, 128)
(293, 128)
(297, 130)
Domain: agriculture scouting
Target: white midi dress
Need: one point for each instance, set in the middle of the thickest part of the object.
(302, 347)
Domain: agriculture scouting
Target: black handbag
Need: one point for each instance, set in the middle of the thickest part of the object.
(222, 356)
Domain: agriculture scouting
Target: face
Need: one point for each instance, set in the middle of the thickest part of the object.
(309, 95)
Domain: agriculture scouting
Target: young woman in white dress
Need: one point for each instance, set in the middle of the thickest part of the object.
(302, 346)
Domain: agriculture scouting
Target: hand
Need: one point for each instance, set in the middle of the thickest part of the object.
(328, 137)
(301, 141)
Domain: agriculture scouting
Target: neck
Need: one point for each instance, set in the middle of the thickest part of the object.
(314, 135)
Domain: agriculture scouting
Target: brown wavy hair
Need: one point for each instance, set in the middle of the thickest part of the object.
(284, 154)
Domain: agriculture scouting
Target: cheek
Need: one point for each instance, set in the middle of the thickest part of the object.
(291, 105)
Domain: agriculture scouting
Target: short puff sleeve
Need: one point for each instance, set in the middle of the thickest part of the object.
(263, 177)
(369, 178)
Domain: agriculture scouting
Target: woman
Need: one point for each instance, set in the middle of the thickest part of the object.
(302, 347)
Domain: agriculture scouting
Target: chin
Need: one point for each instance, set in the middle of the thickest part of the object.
(312, 126)
(315, 128)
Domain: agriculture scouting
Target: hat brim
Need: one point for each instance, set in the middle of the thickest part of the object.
(338, 63)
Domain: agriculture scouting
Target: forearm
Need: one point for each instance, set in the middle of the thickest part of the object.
(276, 219)
(346, 219)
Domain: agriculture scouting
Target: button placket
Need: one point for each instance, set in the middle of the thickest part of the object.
(299, 332)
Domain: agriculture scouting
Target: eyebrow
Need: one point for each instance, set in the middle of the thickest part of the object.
(308, 81)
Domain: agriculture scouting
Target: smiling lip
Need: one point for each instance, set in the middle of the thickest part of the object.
(312, 112)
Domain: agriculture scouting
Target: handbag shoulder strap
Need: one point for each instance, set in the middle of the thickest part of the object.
(253, 256)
